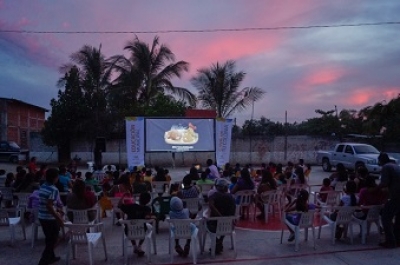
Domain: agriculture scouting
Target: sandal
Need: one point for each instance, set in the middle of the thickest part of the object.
(179, 250)
(186, 250)
(140, 252)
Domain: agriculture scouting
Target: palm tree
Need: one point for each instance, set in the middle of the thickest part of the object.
(218, 88)
(95, 75)
(149, 70)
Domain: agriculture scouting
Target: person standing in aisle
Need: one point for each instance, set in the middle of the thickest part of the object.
(49, 218)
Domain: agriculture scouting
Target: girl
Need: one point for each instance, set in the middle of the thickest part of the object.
(300, 204)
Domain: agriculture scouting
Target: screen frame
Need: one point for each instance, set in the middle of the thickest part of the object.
(180, 118)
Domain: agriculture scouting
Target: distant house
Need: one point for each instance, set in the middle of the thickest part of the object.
(18, 119)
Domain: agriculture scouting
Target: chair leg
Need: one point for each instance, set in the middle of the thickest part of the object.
(313, 235)
(90, 250)
(296, 238)
(171, 253)
(333, 232)
(193, 247)
(104, 246)
(233, 238)
(148, 248)
(213, 238)
(281, 235)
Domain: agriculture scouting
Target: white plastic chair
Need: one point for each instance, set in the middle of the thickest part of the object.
(79, 236)
(246, 199)
(306, 221)
(373, 216)
(272, 201)
(7, 196)
(344, 216)
(11, 223)
(160, 186)
(135, 230)
(339, 186)
(225, 227)
(192, 204)
(83, 216)
(35, 226)
(115, 209)
(183, 229)
(332, 198)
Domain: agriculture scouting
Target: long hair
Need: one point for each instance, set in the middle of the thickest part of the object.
(301, 201)
(267, 178)
(245, 174)
(300, 174)
(79, 188)
(351, 188)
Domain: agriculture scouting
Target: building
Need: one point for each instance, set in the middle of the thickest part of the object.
(18, 119)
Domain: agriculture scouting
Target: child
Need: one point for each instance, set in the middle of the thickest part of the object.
(325, 188)
(349, 199)
(178, 212)
(300, 204)
(234, 180)
(136, 211)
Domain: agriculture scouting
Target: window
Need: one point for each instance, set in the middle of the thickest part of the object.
(349, 150)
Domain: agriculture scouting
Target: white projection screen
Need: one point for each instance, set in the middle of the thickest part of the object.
(180, 135)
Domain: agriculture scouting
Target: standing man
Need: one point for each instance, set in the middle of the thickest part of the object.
(214, 173)
(49, 219)
(390, 179)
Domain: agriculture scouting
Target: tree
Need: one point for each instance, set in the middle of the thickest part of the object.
(94, 79)
(149, 70)
(68, 114)
(218, 88)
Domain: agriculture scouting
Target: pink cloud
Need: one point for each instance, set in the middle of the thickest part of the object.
(323, 77)
(362, 97)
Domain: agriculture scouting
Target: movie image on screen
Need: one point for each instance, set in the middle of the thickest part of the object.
(179, 135)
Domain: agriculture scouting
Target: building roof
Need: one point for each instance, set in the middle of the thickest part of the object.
(22, 102)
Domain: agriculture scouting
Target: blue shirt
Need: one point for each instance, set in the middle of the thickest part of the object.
(47, 192)
(64, 180)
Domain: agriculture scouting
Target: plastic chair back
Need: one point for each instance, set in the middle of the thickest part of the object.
(4, 221)
(246, 197)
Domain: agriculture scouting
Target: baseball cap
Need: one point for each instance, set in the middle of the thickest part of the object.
(221, 183)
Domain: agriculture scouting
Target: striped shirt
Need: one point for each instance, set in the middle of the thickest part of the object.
(47, 192)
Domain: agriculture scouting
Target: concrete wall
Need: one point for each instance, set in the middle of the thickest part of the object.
(243, 151)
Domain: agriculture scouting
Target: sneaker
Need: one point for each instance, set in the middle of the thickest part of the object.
(291, 238)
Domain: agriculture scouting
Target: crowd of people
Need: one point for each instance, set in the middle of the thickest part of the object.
(53, 188)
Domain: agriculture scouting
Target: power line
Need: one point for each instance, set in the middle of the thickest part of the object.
(202, 30)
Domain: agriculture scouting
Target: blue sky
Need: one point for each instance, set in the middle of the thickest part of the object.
(301, 70)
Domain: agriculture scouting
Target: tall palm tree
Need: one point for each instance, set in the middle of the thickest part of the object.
(218, 88)
(95, 75)
(149, 71)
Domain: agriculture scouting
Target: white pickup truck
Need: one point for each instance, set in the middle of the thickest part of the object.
(351, 155)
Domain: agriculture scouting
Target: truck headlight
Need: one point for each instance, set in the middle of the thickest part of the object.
(371, 161)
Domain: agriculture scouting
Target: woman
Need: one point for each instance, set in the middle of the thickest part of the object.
(123, 187)
(340, 175)
(267, 183)
(244, 182)
(81, 199)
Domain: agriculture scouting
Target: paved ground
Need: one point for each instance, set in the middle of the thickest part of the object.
(254, 246)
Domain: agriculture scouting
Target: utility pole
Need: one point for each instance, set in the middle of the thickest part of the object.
(285, 143)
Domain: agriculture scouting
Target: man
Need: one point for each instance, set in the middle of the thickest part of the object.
(221, 203)
(214, 173)
(50, 220)
(390, 179)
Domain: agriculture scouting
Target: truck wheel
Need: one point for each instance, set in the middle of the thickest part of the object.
(326, 166)
(358, 164)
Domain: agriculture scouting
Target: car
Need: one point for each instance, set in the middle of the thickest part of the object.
(9, 151)
(351, 155)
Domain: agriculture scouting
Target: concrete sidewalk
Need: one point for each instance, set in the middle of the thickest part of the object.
(254, 247)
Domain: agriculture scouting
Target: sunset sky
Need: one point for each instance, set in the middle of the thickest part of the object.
(300, 70)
